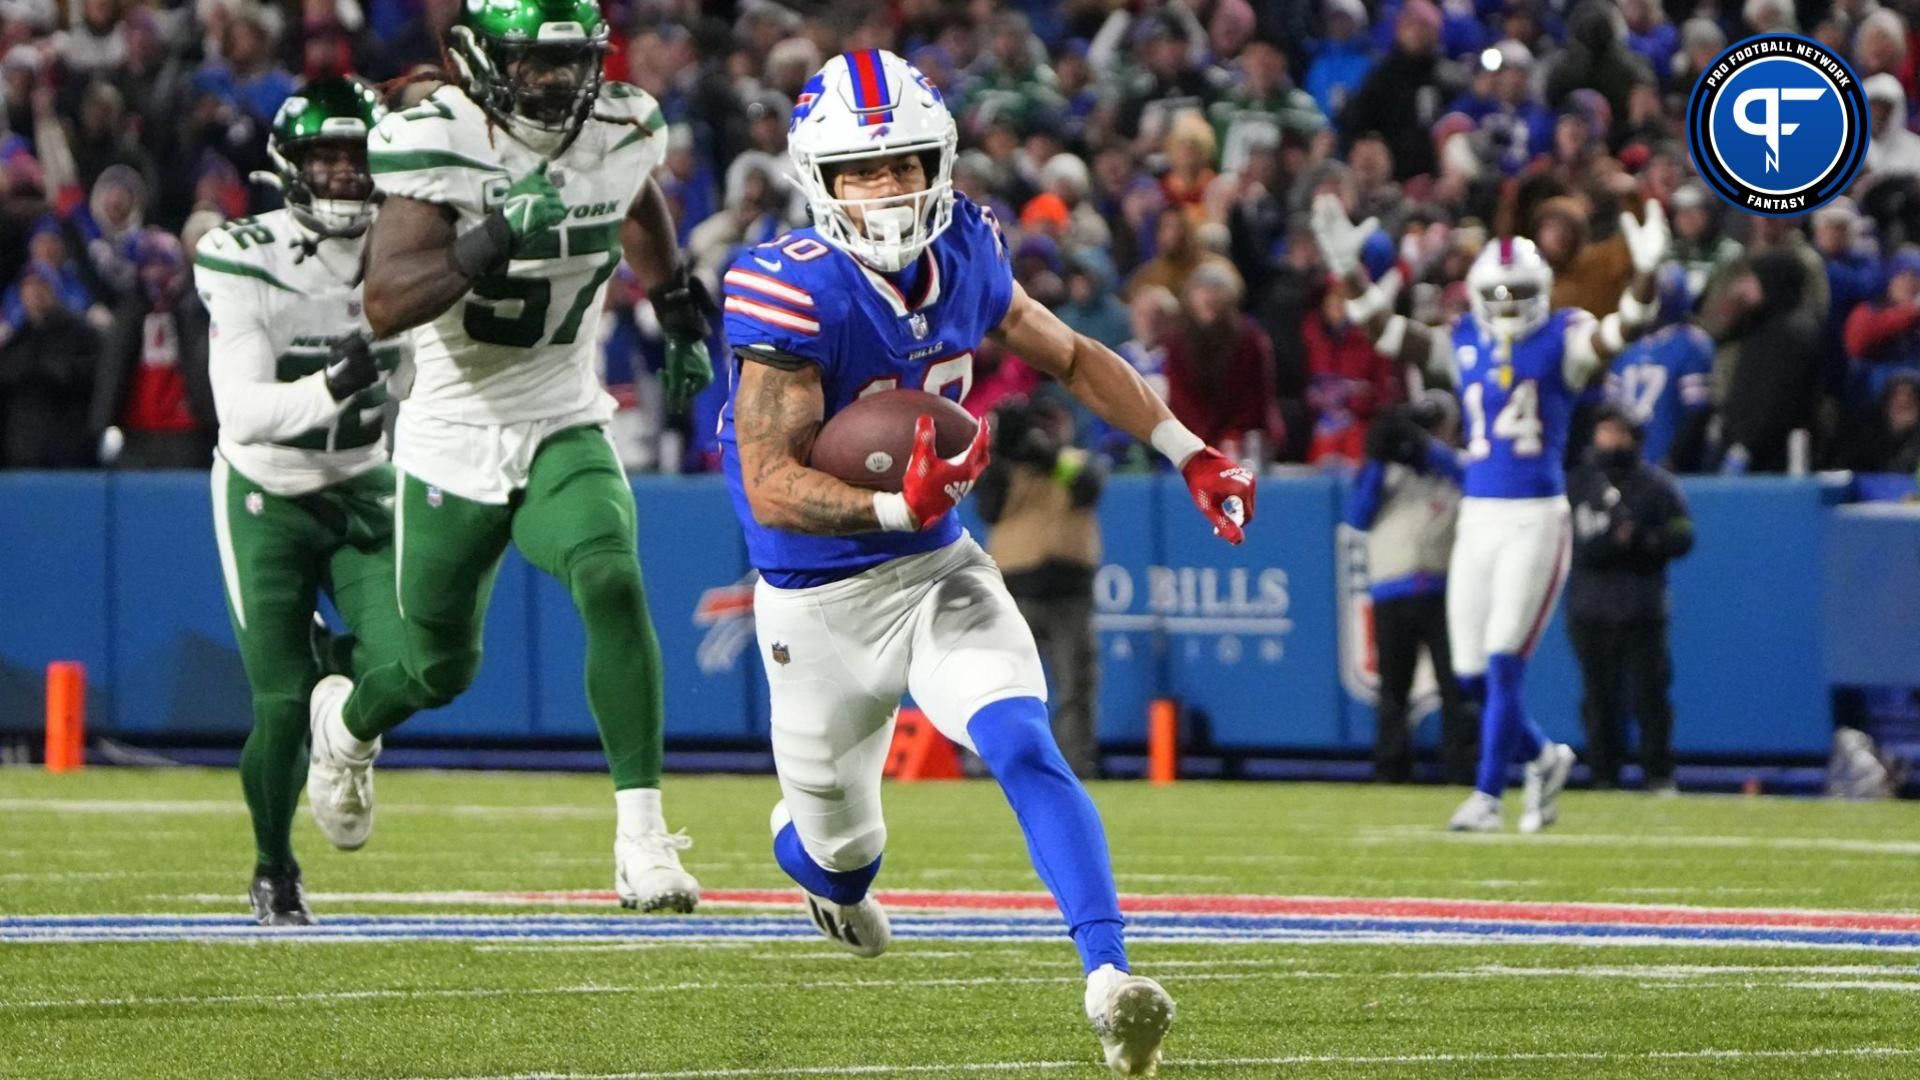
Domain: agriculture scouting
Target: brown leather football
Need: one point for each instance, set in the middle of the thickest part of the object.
(869, 442)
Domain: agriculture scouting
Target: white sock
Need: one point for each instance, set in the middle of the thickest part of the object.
(639, 811)
(1097, 982)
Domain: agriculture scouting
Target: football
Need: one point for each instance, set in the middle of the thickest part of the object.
(869, 442)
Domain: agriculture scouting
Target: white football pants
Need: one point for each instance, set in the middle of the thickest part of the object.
(1509, 562)
(838, 658)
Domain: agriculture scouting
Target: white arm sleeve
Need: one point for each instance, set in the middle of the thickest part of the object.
(1579, 359)
(252, 405)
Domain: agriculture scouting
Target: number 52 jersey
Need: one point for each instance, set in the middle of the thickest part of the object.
(522, 344)
(798, 301)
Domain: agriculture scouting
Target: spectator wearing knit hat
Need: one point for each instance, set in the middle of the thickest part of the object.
(46, 379)
(1883, 336)
(1597, 59)
(1894, 151)
(1341, 59)
(151, 384)
(1855, 276)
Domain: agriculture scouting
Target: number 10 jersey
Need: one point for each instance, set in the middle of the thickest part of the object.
(522, 344)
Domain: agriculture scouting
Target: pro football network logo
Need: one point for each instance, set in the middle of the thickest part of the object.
(1778, 125)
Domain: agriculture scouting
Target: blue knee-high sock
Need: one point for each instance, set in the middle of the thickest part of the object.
(1507, 733)
(1473, 688)
(839, 886)
(1065, 839)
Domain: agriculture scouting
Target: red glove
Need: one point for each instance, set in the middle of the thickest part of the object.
(1222, 490)
(933, 484)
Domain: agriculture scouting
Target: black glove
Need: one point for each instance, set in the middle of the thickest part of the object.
(684, 306)
(350, 366)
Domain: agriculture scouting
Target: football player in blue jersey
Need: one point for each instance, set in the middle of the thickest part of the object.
(1518, 365)
(1664, 383)
(864, 596)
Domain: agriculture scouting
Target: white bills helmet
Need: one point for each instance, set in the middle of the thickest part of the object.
(865, 105)
(1510, 287)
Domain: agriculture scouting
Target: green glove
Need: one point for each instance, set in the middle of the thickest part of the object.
(688, 371)
(532, 205)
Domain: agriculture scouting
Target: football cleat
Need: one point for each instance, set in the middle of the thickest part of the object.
(339, 779)
(1480, 813)
(862, 929)
(1131, 1015)
(647, 874)
(1546, 777)
(278, 898)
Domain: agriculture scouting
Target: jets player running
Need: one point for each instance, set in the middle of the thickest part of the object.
(865, 596)
(508, 201)
(302, 492)
(1518, 366)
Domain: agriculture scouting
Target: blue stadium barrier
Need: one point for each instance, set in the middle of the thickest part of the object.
(1783, 596)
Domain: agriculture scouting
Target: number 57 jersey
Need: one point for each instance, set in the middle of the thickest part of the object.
(798, 302)
(522, 344)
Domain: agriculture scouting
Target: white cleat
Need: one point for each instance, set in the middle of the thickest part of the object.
(647, 874)
(1480, 813)
(339, 769)
(1131, 1014)
(1546, 778)
(862, 929)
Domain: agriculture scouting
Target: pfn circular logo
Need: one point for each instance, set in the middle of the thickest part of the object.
(1778, 125)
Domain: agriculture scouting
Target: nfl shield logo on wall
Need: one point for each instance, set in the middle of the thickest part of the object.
(918, 324)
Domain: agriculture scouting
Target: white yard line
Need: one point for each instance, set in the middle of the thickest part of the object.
(231, 807)
(1177, 1064)
(1397, 834)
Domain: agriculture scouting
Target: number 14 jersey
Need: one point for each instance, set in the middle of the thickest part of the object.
(1516, 403)
(522, 344)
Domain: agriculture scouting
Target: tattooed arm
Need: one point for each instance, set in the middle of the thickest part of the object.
(777, 411)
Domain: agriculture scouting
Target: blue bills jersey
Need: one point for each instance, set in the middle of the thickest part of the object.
(1661, 380)
(1517, 408)
(799, 300)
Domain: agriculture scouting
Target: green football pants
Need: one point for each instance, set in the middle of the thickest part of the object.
(277, 554)
(575, 521)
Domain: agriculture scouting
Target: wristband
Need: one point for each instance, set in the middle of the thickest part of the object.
(1633, 313)
(484, 248)
(1175, 442)
(1390, 339)
(890, 507)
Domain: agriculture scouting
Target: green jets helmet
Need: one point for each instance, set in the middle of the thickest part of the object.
(336, 112)
(533, 65)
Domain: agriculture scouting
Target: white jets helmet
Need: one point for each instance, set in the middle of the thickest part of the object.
(1510, 287)
(865, 105)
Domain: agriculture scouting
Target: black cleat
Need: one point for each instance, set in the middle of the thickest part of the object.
(278, 899)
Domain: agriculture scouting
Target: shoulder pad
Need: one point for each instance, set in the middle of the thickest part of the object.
(241, 248)
(623, 102)
(436, 151)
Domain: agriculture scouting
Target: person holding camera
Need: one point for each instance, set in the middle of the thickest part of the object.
(1038, 493)
(1629, 521)
(1406, 497)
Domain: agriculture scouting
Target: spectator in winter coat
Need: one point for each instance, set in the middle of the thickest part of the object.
(46, 381)
(1401, 98)
(1177, 256)
(1890, 441)
(1596, 59)
(1348, 381)
(1854, 277)
(1220, 378)
(1894, 151)
(1629, 521)
(152, 383)
(1770, 388)
(1342, 59)
(1587, 275)
(1884, 338)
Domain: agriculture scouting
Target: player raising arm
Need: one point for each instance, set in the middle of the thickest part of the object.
(1518, 366)
(500, 278)
(866, 595)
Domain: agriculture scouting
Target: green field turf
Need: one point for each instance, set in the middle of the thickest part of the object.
(176, 841)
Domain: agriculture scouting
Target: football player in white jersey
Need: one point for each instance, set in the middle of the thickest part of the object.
(1518, 365)
(509, 196)
(302, 493)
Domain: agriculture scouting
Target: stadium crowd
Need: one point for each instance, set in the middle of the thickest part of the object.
(1152, 164)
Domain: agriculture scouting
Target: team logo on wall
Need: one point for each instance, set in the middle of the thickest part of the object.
(1778, 124)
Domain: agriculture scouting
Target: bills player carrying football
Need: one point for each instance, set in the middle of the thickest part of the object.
(863, 595)
(1518, 366)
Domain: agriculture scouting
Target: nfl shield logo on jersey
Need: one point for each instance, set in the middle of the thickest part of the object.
(918, 324)
(255, 503)
(434, 497)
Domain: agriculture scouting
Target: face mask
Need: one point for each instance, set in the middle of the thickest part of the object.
(1616, 461)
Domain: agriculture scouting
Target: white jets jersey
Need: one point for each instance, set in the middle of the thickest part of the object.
(524, 343)
(277, 306)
